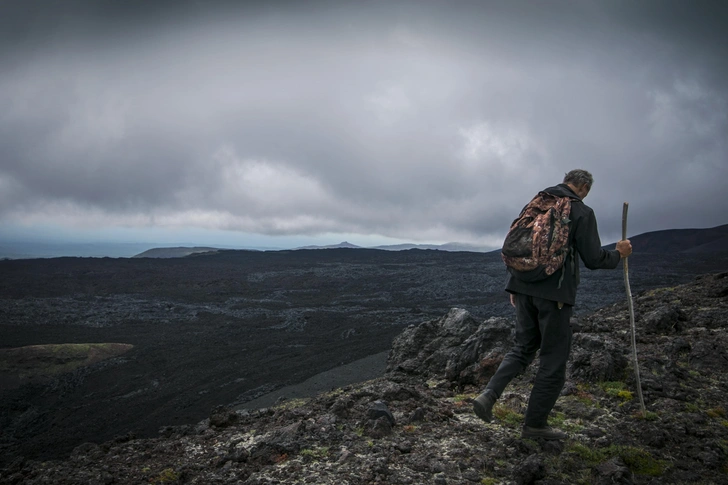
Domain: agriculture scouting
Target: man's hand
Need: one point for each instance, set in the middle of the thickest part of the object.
(513, 300)
(624, 247)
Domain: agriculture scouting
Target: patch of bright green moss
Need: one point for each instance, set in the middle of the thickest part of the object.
(639, 461)
(592, 456)
(556, 419)
(625, 395)
(507, 415)
(316, 453)
(292, 403)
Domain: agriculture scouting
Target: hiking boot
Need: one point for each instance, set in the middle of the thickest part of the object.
(483, 406)
(545, 433)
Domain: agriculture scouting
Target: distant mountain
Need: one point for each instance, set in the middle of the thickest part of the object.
(343, 244)
(179, 252)
(681, 241)
(452, 246)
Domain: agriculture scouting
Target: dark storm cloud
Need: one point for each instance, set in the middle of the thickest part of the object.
(427, 121)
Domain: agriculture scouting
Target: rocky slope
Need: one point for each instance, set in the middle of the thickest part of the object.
(225, 327)
(415, 424)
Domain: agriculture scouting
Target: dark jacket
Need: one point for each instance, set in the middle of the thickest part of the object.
(584, 240)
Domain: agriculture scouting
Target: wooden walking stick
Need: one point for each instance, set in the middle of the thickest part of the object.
(630, 305)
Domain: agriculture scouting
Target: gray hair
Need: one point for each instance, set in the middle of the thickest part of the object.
(578, 178)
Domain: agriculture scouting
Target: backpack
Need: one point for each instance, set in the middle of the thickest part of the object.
(537, 242)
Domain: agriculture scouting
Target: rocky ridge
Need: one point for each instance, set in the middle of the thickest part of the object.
(415, 424)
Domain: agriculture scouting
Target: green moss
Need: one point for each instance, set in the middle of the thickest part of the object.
(612, 388)
(573, 426)
(640, 461)
(625, 395)
(584, 395)
(691, 407)
(488, 481)
(560, 420)
(168, 475)
(648, 416)
(46, 360)
(556, 419)
(292, 403)
(660, 291)
(717, 412)
(723, 444)
(507, 415)
(334, 392)
(316, 453)
(592, 456)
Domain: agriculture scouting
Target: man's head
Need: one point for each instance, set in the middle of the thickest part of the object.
(580, 182)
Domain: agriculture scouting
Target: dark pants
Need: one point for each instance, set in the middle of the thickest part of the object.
(540, 325)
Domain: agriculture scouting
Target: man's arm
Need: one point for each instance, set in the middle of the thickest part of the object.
(589, 245)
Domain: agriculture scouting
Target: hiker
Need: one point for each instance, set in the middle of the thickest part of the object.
(544, 308)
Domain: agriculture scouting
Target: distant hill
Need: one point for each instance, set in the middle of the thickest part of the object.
(452, 246)
(343, 244)
(681, 241)
(178, 252)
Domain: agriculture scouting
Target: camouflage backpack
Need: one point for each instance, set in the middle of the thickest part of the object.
(537, 242)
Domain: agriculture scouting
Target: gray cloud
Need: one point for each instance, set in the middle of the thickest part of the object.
(419, 121)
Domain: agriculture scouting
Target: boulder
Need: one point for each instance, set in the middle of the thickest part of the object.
(455, 346)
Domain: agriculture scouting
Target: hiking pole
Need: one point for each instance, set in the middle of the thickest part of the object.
(631, 313)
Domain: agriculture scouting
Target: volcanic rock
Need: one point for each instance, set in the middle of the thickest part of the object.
(346, 436)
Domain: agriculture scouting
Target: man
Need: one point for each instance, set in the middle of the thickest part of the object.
(543, 313)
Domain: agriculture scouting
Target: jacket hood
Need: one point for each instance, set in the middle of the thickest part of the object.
(562, 190)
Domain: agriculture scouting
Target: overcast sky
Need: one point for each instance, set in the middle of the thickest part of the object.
(284, 122)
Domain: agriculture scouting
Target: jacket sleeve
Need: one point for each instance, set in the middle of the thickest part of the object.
(589, 246)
